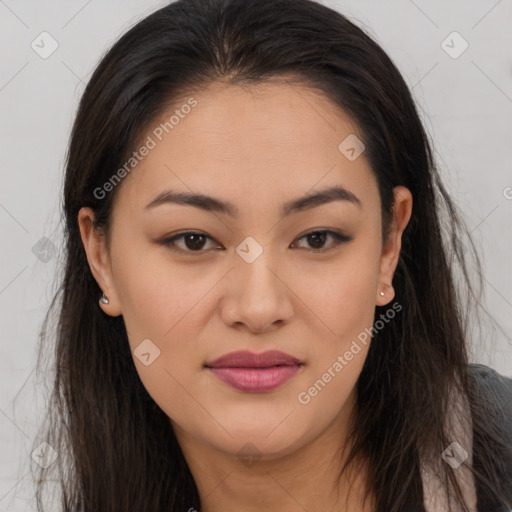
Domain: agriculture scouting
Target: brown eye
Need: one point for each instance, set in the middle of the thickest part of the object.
(316, 239)
(192, 242)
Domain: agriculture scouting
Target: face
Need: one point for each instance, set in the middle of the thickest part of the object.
(256, 276)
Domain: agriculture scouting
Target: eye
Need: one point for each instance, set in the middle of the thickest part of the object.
(195, 242)
(317, 238)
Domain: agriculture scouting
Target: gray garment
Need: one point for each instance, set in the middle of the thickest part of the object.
(496, 392)
(494, 395)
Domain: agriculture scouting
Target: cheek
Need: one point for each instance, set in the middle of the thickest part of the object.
(158, 297)
(341, 301)
(341, 295)
(158, 305)
(343, 308)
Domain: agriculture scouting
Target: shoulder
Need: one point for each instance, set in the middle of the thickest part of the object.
(492, 430)
(492, 394)
(494, 387)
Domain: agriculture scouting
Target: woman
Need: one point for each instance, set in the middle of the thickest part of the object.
(258, 310)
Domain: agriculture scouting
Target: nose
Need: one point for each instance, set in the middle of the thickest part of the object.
(257, 295)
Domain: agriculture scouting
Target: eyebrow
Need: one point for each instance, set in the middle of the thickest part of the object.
(212, 204)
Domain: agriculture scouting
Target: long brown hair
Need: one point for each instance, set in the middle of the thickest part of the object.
(117, 450)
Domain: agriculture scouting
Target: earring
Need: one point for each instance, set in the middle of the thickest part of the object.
(104, 299)
(382, 293)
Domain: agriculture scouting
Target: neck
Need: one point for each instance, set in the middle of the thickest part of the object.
(307, 478)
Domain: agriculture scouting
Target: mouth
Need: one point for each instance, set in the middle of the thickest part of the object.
(256, 373)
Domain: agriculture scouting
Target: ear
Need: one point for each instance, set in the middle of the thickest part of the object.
(402, 210)
(95, 246)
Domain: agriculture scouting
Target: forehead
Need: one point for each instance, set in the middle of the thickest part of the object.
(268, 140)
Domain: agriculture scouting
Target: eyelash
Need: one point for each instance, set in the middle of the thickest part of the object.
(169, 242)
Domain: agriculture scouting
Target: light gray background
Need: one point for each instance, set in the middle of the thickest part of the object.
(466, 104)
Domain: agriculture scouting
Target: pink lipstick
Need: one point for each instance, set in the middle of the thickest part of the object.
(256, 373)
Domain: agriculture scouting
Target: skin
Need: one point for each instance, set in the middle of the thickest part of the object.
(256, 147)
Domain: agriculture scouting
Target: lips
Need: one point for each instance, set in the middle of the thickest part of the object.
(255, 373)
(246, 359)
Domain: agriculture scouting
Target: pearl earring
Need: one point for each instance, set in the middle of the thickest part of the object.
(104, 299)
(382, 293)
